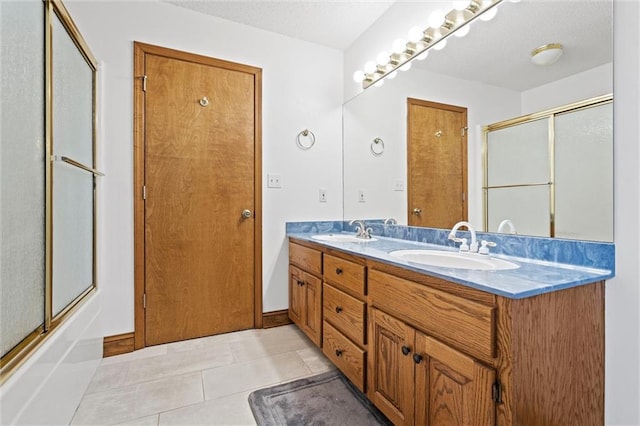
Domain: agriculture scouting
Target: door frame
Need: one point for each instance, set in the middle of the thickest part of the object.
(140, 50)
(465, 160)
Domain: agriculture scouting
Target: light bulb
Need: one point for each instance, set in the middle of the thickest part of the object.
(370, 67)
(379, 83)
(440, 45)
(490, 14)
(462, 31)
(399, 45)
(406, 66)
(436, 19)
(392, 75)
(461, 5)
(415, 34)
(358, 76)
(382, 58)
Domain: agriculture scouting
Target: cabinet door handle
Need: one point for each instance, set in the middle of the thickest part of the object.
(406, 350)
(338, 309)
(300, 283)
(339, 352)
(339, 271)
(417, 358)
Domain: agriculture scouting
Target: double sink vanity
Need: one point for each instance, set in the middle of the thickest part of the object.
(435, 336)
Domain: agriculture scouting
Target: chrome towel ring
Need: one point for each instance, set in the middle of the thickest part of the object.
(377, 147)
(306, 139)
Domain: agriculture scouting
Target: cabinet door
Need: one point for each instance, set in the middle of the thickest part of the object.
(312, 313)
(451, 388)
(296, 295)
(390, 370)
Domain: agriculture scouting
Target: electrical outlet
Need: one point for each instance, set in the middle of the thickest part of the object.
(361, 196)
(274, 180)
(322, 195)
(399, 185)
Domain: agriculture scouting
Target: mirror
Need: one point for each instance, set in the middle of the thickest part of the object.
(490, 73)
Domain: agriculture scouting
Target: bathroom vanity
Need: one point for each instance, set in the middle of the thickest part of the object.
(440, 346)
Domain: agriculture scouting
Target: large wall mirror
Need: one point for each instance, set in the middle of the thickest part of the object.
(490, 73)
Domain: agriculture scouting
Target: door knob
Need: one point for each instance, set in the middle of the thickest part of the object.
(417, 211)
(246, 214)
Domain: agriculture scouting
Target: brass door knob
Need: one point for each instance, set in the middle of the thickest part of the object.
(417, 211)
(246, 214)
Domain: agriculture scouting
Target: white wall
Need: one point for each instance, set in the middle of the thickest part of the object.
(585, 85)
(301, 88)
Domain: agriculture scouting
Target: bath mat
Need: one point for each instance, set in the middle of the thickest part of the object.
(325, 399)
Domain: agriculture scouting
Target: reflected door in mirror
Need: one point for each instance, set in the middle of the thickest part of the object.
(436, 164)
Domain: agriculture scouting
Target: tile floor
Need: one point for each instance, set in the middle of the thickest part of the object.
(197, 382)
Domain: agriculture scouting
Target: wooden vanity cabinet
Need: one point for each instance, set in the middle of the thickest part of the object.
(344, 313)
(427, 351)
(305, 290)
(415, 378)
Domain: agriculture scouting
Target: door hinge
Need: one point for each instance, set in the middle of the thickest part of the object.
(464, 197)
(496, 392)
(144, 192)
(144, 82)
(463, 130)
(144, 301)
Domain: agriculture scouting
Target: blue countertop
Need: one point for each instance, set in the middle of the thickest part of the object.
(533, 277)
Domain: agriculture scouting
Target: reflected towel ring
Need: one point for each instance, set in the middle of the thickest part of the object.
(377, 147)
(307, 135)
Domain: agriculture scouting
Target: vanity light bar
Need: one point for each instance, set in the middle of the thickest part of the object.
(431, 37)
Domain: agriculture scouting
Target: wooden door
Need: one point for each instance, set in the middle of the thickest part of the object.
(451, 388)
(201, 148)
(436, 164)
(390, 382)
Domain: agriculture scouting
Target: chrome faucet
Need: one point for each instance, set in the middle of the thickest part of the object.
(361, 229)
(504, 224)
(473, 247)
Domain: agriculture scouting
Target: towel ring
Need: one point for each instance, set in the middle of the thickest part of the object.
(307, 135)
(377, 147)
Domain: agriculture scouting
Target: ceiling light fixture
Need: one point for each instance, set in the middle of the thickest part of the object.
(547, 54)
(441, 26)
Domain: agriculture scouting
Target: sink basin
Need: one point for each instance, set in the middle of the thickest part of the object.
(342, 238)
(446, 259)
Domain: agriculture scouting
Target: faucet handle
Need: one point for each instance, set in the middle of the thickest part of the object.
(484, 246)
(464, 247)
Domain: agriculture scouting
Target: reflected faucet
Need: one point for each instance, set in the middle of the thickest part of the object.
(504, 224)
(390, 221)
(473, 247)
(361, 229)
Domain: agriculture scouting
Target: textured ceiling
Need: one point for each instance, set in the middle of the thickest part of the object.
(495, 52)
(333, 23)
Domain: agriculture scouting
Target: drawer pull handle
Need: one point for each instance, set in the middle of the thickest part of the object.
(406, 350)
(339, 271)
(338, 309)
(417, 358)
(339, 352)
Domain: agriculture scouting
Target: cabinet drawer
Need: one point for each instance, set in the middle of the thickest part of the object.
(452, 319)
(346, 313)
(344, 273)
(348, 357)
(306, 258)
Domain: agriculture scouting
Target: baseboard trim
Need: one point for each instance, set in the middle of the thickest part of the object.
(118, 344)
(275, 318)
